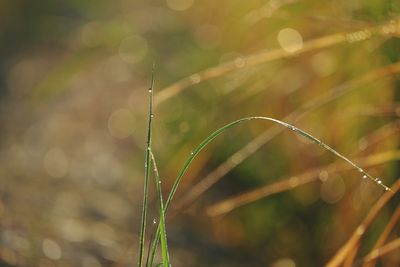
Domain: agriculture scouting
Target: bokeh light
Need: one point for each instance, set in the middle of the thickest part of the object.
(133, 49)
(121, 123)
(290, 40)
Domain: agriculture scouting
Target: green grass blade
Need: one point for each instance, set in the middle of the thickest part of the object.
(155, 244)
(254, 145)
(163, 232)
(206, 141)
(182, 172)
(149, 248)
(147, 174)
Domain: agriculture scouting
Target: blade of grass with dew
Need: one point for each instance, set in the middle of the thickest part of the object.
(211, 137)
(164, 246)
(255, 144)
(147, 173)
(224, 206)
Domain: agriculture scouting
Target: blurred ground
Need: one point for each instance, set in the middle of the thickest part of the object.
(73, 93)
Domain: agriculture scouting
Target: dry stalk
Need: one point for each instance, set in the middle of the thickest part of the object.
(354, 240)
(230, 204)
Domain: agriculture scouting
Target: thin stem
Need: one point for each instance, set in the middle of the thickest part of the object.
(255, 144)
(382, 238)
(164, 245)
(149, 248)
(342, 253)
(227, 205)
(147, 173)
(379, 252)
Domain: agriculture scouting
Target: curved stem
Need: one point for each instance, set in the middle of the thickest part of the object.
(211, 137)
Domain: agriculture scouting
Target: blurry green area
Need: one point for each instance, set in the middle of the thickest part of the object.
(73, 112)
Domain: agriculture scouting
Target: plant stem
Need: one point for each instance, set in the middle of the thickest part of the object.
(147, 173)
(163, 232)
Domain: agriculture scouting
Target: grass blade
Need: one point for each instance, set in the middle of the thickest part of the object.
(266, 136)
(211, 137)
(164, 246)
(147, 174)
(227, 205)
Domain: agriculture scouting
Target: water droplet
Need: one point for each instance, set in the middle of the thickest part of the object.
(379, 182)
(360, 230)
(195, 78)
(154, 221)
(386, 188)
(150, 90)
(152, 115)
(364, 176)
(159, 182)
(191, 153)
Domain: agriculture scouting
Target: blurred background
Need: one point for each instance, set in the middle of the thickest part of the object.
(73, 113)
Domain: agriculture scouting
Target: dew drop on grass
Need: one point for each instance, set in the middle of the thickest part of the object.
(195, 78)
(364, 176)
(360, 230)
(154, 221)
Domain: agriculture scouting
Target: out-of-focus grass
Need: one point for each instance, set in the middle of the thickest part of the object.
(73, 83)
